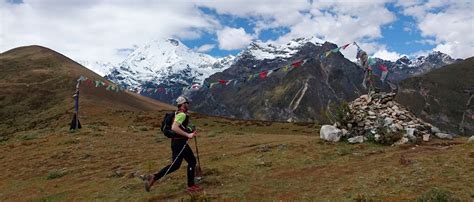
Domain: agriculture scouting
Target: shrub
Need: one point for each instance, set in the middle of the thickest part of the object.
(28, 137)
(387, 137)
(436, 194)
(56, 174)
(337, 113)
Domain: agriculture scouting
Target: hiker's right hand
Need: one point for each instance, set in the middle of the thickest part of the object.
(191, 135)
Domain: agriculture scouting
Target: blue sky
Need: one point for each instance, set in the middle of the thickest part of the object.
(107, 31)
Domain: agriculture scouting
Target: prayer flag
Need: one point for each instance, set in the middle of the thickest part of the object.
(250, 77)
(269, 72)
(327, 53)
(297, 63)
(263, 74)
(383, 76)
(345, 46)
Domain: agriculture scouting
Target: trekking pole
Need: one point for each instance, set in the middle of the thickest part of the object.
(198, 169)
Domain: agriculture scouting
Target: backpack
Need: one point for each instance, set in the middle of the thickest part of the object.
(166, 125)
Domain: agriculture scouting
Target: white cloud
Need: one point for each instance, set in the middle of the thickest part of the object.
(339, 22)
(233, 38)
(205, 48)
(387, 55)
(95, 30)
(450, 23)
(426, 42)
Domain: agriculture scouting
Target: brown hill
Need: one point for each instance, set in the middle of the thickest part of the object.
(36, 88)
(439, 96)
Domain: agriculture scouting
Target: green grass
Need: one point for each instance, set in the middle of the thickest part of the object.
(29, 136)
(54, 174)
(53, 197)
(437, 194)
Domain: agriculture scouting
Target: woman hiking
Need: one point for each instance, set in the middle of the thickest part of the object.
(179, 147)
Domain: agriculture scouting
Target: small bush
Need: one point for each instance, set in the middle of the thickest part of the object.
(436, 194)
(387, 137)
(344, 151)
(337, 113)
(71, 141)
(212, 134)
(28, 137)
(3, 138)
(56, 174)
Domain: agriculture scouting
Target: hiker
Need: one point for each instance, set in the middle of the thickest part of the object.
(179, 147)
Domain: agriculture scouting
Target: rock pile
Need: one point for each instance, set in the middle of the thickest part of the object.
(380, 119)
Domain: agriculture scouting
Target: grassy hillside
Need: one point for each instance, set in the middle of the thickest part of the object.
(438, 96)
(36, 88)
(242, 160)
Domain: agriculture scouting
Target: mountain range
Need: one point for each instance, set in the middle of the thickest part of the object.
(298, 95)
(170, 64)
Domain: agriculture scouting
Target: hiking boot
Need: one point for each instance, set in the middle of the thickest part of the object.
(149, 181)
(194, 188)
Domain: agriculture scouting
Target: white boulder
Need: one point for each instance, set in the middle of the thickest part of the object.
(330, 133)
(471, 139)
(356, 139)
(444, 136)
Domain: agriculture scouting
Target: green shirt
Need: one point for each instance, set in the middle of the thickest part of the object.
(180, 117)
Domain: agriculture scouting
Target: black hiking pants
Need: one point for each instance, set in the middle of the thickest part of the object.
(187, 154)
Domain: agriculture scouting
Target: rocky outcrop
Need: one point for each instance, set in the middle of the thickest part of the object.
(377, 117)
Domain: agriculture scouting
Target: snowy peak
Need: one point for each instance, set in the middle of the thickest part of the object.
(433, 59)
(406, 67)
(166, 62)
(101, 68)
(266, 50)
(164, 53)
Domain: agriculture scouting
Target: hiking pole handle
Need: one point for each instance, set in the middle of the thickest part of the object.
(197, 151)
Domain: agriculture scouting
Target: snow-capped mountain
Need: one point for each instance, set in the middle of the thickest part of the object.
(299, 94)
(166, 62)
(259, 50)
(406, 67)
(101, 68)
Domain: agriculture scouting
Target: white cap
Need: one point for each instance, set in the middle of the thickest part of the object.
(181, 100)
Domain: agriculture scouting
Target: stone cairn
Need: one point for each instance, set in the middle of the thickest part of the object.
(380, 119)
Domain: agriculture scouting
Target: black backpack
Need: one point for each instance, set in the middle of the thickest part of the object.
(166, 125)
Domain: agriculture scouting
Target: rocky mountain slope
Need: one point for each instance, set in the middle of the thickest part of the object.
(439, 96)
(297, 95)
